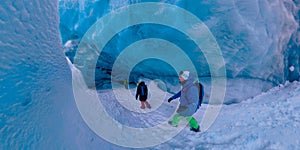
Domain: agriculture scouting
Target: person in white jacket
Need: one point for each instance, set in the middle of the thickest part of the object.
(188, 101)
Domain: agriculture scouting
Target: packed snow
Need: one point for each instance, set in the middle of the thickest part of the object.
(269, 120)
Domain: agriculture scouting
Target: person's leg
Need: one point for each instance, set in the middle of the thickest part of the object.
(176, 119)
(147, 104)
(143, 104)
(193, 122)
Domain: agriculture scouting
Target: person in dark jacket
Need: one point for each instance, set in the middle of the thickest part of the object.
(189, 98)
(142, 93)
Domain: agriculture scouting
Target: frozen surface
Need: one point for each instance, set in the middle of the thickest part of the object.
(259, 39)
(269, 120)
(37, 107)
(34, 76)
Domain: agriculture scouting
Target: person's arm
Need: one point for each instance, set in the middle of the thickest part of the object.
(174, 96)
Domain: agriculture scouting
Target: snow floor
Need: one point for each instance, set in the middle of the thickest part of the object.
(270, 120)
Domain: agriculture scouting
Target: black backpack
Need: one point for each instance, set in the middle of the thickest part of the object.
(201, 93)
(143, 90)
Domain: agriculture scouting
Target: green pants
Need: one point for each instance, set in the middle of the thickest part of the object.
(192, 121)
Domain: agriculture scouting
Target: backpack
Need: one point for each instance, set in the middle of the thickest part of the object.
(201, 94)
(143, 90)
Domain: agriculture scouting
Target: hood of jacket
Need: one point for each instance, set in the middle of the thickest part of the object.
(187, 83)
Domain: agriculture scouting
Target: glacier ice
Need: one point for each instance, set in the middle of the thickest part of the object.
(37, 108)
(259, 39)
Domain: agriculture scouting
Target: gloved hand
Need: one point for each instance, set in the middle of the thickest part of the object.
(170, 99)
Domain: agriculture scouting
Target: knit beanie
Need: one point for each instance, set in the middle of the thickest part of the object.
(184, 74)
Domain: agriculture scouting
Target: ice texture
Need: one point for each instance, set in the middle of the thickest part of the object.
(259, 39)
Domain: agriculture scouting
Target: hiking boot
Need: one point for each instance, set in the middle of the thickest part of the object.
(170, 123)
(195, 129)
(143, 107)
